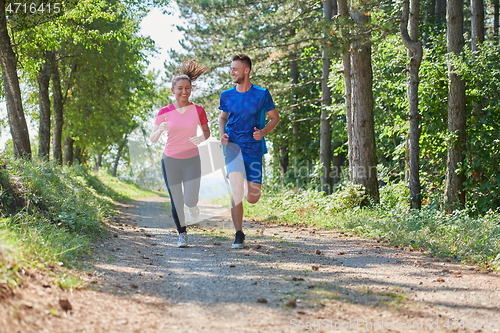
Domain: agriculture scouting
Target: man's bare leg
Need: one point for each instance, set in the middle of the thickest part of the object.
(253, 192)
(237, 183)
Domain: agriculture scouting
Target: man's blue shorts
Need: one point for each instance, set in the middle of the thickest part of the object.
(250, 167)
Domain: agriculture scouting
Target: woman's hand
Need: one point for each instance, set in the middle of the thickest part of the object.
(157, 131)
(163, 127)
(196, 140)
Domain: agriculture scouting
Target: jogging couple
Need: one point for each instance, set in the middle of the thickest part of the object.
(243, 124)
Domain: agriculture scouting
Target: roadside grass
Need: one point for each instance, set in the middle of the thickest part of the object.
(50, 217)
(461, 236)
(122, 190)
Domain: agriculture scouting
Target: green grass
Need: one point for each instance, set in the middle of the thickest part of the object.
(50, 216)
(221, 201)
(461, 235)
(124, 190)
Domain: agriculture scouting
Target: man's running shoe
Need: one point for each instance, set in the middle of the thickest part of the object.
(239, 240)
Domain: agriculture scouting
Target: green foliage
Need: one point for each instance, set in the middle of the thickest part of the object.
(59, 196)
(55, 218)
(482, 73)
(460, 235)
(52, 216)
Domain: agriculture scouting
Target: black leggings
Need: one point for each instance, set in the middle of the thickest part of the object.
(178, 173)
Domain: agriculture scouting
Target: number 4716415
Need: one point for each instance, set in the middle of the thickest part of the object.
(33, 8)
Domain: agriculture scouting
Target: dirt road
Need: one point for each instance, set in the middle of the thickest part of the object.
(287, 279)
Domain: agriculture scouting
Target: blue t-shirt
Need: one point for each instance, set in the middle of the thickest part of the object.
(246, 111)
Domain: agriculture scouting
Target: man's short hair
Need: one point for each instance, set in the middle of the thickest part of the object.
(243, 58)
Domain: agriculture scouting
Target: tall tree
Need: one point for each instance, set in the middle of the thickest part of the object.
(362, 159)
(410, 14)
(325, 153)
(346, 65)
(477, 39)
(15, 111)
(58, 113)
(477, 24)
(496, 19)
(454, 196)
(440, 10)
(44, 102)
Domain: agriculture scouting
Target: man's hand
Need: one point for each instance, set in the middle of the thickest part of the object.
(257, 135)
(224, 140)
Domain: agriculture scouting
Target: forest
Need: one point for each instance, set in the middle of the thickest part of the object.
(372, 94)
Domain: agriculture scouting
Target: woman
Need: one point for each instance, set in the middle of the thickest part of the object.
(181, 161)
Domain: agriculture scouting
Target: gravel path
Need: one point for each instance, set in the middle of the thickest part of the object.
(287, 279)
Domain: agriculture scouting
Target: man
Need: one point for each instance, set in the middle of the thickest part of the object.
(242, 126)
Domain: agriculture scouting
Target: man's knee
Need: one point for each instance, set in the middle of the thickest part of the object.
(254, 190)
(253, 199)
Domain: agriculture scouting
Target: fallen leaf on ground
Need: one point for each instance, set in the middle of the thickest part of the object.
(65, 304)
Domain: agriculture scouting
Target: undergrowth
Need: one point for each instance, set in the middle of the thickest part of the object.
(51, 215)
(462, 235)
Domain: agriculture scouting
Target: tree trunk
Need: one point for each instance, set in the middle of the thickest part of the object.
(337, 162)
(118, 155)
(68, 150)
(430, 12)
(454, 187)
(44, 102)
(78, 155)
(410, 14)
(294, 78)
(440, 10)
(363, 159)
(477, 24)
(477, 39)
(346, 63)
(98, 160)
(17, 120)
(295, 134)
(58, 113)
(496, 19)
(325, 141)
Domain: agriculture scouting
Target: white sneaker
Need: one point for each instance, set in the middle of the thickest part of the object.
(183, 240)
(194, 212)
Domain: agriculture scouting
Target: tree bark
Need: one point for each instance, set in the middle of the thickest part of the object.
(440, 10)
(17, 120)
(410, 16)
(58, 113)
(325, 140)
(496, 19)
(294, 79)
(44, 103)
(98, 160)
(363, 159)
(346, 63)
(477, 39)
(68, 150)
(454, 186)
(118, 155)
(477, 24)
